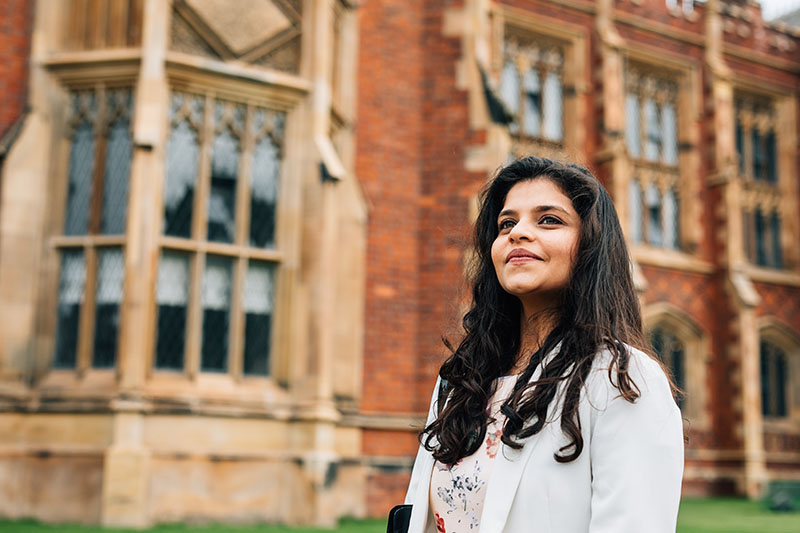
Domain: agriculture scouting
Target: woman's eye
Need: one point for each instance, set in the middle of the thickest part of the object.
(549, 220)
(506, 224)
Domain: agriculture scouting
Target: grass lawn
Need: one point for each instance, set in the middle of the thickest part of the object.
(719, 515)
(731, 515)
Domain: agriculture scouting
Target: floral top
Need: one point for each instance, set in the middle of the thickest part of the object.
(458, 491)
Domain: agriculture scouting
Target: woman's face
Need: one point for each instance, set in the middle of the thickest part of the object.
(536, 244)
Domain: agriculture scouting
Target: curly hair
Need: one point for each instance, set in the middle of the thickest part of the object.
(598, 309)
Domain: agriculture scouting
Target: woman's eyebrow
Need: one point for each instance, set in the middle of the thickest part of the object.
(537, 209)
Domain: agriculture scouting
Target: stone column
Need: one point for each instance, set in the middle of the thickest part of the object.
(745, 349)
(126, 468)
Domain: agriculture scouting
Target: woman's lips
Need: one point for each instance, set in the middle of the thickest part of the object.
(520, 255)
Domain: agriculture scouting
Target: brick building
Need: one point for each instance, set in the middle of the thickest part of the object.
(233, 235)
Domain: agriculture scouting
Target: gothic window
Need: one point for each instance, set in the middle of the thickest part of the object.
(219, 256)
(756, 148)
(774, 377)
(672, 352)
(651, 138)
(531, 88)
(92, 254)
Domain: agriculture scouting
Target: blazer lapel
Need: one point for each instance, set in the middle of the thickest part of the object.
(419, 511)
(507, 472)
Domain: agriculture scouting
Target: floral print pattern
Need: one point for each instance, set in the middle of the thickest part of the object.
(458, 491)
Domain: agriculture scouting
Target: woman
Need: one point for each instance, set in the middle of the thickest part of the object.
(548, 416)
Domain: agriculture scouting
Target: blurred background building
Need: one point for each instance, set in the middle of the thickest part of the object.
(232, 234)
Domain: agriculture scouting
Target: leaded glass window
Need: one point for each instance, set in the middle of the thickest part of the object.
(223, 210)
(258, 298)
(774, 380)
(651, 138)
(672, 352)
(757, 150)
(95, 216)
(172, 300)
(531, 88)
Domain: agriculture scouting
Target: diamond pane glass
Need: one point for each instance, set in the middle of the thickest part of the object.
(652, 144)
(670, 132)
(110, 276)
(671, 219)
(652, 199)
(760, 235)
(759, 156)
(117, 165)
(772, 158)
(672, 352)
(172, 298)
(258, 301)
(773, 380)
(222, 196)
(509, 91)
(532, 115)
(635, 198)
(632, 133)
(216, 314)
(183, 152)
(70, 298)
(740, 147)
(553, 107)
(81, 168)
(264, 192)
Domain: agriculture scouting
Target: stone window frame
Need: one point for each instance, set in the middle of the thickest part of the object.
(687, 74)
(94, 240)
(777, 333)
(285, 99)
(574, 83)
(780, 197)
(697, 357)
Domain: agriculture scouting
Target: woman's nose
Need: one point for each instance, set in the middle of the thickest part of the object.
(521, 231)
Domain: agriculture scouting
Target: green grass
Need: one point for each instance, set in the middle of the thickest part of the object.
(719, 515)
(730, 515)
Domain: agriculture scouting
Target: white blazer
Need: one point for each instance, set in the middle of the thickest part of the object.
(627, 479)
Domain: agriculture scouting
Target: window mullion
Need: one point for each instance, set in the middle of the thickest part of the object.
(194, 322)
(243, 181)
(236, 320)
(86, 329)
(199, 220)
(101, 138)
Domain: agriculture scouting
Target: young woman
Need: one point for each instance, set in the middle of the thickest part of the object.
(548, 416)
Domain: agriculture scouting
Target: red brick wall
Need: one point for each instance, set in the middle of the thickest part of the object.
(15, 28)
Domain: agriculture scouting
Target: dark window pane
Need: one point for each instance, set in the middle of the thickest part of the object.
(224, 170)
(265, 180)
(183, 152)
(70, 298)
(671, 219)
(761, 238)
(172, 298)
(672, 352)
(775, 233)
(780, 383)
(654, 224)
(81, 166)
(772, 158)
(740, 146)
(258, 301)
(118, 163)
(765, 384)
(759, 156)
(110, 275)
(216, 314)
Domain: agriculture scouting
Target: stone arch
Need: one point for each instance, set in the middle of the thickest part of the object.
(696, 354)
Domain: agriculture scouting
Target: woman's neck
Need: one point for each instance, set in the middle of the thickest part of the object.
(534, 329)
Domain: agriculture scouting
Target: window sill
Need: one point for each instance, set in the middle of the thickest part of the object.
(771, 275)
(672, 259)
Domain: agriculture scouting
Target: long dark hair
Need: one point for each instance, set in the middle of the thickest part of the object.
(599, 309)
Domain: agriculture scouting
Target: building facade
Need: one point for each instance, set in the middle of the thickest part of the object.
(232, 235)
